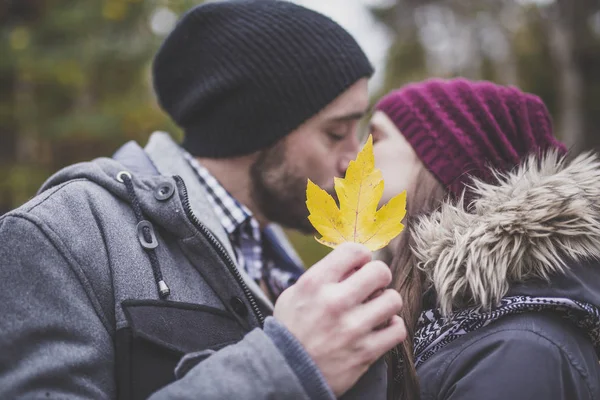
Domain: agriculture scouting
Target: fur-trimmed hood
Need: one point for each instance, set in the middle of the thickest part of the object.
(537, 224)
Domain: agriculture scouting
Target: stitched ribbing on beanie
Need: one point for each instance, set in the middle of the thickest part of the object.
(237, 76)
(461, 129)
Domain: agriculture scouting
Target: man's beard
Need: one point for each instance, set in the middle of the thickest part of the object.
(279, 191)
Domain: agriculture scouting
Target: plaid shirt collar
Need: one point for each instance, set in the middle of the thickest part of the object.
(245, 234)
(230, 212)
(237, 220)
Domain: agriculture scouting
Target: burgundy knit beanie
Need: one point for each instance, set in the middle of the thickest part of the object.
(461, 128)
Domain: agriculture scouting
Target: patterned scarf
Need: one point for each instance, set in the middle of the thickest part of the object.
(434, 331)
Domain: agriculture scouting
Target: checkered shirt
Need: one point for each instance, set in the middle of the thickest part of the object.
(244, 233)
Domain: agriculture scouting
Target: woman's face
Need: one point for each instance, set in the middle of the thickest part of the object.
(394, 156)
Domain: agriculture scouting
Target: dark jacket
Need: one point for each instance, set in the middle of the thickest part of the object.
(533, 237)
(81, 312)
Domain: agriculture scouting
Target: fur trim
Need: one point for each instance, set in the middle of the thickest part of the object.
(528, 225)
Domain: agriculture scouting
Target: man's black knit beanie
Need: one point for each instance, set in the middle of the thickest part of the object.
(237, 76)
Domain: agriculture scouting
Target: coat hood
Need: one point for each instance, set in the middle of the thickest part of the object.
(536, 230)
(154, 169)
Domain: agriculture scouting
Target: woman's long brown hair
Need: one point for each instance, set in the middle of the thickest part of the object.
(408, 280)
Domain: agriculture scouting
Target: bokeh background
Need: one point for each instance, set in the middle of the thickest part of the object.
(75, 77)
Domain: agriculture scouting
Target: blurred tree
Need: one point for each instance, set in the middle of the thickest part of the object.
(573, 29)
(75, 82)
(550, 48)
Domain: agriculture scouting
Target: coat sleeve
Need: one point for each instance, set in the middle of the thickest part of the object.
(267, 364)
(517, 365)
(55, 343)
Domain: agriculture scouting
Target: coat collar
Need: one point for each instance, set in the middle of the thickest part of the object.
(532, 224)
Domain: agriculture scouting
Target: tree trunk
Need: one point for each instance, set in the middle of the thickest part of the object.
(571, 122)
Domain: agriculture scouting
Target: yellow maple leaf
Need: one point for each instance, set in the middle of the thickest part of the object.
(357, 218)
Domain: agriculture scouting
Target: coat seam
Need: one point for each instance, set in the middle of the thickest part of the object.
(53, 191)
(560, 349)
(69, 259)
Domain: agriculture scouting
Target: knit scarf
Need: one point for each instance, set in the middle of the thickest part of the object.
(435, 331)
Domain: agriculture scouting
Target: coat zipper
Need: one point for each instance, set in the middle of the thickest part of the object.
(224, 254)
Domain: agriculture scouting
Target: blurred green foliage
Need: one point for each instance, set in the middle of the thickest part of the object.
(76, 81)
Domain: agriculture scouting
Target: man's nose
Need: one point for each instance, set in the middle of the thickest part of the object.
(350, 154)
(343, 165)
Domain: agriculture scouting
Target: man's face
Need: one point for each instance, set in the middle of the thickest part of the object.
(318, 150)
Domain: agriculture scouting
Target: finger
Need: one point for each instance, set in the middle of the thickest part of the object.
(381, 341)
(364, 282)
(375, 294)
(376, 313)
(348, 273)
(337, 264)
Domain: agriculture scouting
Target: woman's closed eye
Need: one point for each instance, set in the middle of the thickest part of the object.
(377, 133)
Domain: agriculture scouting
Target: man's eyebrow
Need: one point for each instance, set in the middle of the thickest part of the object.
(350, 117)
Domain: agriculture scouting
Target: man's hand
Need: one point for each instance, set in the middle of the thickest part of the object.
(332, 312)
